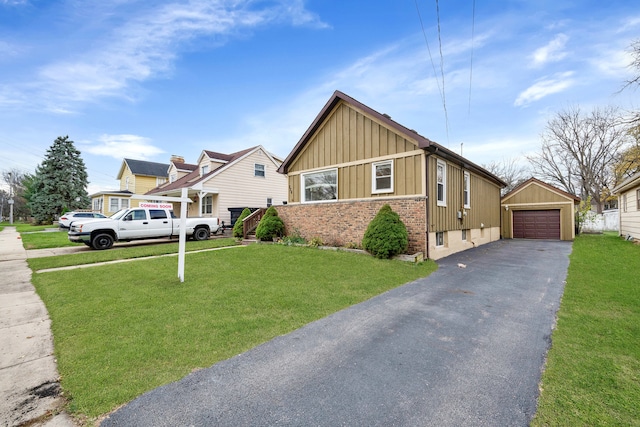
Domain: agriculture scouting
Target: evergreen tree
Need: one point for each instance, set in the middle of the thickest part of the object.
(60, 182)
(386, 234)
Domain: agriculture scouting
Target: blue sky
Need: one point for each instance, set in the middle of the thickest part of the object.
(146, 79)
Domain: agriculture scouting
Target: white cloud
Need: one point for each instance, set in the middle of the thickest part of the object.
(147, 46)
(123, 146)
(552, 52)
(544, 87)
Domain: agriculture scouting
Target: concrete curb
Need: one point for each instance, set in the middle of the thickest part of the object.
(29, 381)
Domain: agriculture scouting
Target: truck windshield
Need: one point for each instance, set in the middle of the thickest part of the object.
(118, 214)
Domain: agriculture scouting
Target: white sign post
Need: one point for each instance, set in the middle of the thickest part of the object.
(182, 242)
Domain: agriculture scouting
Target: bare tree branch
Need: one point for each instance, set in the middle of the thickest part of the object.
(579, 149)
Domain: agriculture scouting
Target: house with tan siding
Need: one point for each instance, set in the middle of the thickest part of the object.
(628, 193)
(352, 160)
(136, 177)
(221, 184)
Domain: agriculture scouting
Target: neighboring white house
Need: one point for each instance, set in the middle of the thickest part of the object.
(628, 193)
(222, 184)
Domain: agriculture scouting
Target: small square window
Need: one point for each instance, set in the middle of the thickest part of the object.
(204, 170)
(439, 238)
(382, 177)
(258, 170)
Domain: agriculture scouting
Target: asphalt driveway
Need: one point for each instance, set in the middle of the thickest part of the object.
(462, 347)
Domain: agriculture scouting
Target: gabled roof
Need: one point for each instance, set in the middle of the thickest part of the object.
(424, 143)
(194, 178)
(632, 181)
(549, 187)
(184, 167)
(144, 168)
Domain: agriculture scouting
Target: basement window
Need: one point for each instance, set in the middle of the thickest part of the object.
(439, 239)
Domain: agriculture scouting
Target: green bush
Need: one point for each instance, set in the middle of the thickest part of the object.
(270, 226)
(238, 231)
(271, 211)
(386, 234)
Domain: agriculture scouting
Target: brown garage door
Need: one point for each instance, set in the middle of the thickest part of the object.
(536, 224)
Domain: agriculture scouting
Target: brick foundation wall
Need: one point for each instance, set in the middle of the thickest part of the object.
(342, 223)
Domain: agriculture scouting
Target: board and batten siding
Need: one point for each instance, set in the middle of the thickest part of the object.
(484, 210)
(238, 186)
(630, 213)
(351, 141)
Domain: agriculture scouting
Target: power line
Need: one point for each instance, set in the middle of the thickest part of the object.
(444, 101)
(433, 65)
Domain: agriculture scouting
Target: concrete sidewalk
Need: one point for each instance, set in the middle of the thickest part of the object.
(29, 388)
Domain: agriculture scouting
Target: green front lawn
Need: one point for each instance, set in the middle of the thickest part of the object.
(123, 329)
(592, 377)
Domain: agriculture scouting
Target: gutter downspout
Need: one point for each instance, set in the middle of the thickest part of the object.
(427, 155)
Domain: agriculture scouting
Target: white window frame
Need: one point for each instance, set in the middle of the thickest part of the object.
(207, 205)
(439, 244)
(259, 170)
(160, 180)
(466, 192)
(374, 177)
(302, 186)
(204, 170)
(441, 201)
(464, 234)
(122, 201)
(173, 177)
(126, 183)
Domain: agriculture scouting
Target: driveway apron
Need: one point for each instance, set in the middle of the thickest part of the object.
(463, 347)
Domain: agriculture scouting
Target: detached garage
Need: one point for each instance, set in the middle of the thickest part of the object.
(537, 210)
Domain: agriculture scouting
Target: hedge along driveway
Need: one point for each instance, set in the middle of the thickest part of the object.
(123, 329)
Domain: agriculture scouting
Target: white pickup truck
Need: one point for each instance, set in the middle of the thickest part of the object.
(137, 224)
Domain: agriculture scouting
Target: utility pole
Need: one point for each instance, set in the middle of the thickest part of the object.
(10, 198)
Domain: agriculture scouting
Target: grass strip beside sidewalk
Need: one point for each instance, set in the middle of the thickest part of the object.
(592, 377)
(120, 253)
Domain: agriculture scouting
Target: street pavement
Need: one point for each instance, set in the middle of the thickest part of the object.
(29, 382)
(463, 347)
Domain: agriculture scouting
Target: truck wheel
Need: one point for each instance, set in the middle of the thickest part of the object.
(201, 233)
(102, 241)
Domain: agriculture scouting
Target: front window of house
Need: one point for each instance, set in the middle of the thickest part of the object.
(441, 180)
(117, 203)
(258, 170)
(382, 179)
(320, 186)
(204, 170)
(207, 205)
(126, 183)
(173, 177)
